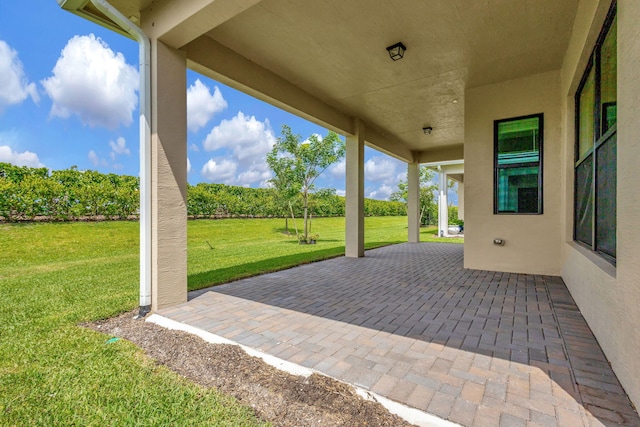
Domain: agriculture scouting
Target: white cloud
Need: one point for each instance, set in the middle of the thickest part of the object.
(26, 158)
(307, 141)
(221, 171)
(341, 193)
(265, 184)
(202, 105)
(15, 86)
(247, 137)
(381, 169)
(119, 147)
(339, 169)
(94, 83)
(93, 158)
(244, 142)
(382, 193)
(195, 148)
(254, 175)
(188, 165)
(96, 160)
(377, 169)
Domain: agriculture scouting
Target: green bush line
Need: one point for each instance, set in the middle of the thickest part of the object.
(27, 194)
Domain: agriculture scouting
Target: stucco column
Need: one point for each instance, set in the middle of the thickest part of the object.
(461, 201)
(413, 202)
(169, 176)
(354, 244)
(443, 207)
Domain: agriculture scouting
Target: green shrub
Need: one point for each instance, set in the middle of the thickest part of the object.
(71, 194)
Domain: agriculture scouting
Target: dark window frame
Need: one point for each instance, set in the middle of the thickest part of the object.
(539, 163)
(601, 137)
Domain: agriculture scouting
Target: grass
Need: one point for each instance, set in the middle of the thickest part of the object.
(54, 276)
(243, 248)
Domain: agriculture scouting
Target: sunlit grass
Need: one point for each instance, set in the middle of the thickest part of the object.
(55, 373)
(243, 247)
(54, 276)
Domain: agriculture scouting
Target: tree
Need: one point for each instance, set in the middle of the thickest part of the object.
(428, 190)
(296, 164)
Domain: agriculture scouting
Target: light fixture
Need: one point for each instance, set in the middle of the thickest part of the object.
(396, 51)
(427, 130)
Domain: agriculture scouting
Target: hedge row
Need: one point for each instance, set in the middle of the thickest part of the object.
(30, 193)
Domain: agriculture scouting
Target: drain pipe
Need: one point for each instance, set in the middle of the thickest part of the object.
(145, 147)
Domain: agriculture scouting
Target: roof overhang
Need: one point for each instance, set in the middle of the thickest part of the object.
(326, 61)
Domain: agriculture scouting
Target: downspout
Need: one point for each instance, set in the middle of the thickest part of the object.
(145, 147)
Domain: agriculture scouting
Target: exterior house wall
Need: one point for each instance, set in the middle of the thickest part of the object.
(532, 242)
(609, 297)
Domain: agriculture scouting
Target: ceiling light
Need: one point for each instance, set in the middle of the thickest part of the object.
(396, 51)
(427, 130)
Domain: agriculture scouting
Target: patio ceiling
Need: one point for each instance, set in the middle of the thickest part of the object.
(326, 60)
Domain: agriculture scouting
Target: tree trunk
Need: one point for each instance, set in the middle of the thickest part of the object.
(306, 235)
(306, 232)
(294, 221)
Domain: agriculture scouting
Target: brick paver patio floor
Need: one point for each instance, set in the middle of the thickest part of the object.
(478, 348)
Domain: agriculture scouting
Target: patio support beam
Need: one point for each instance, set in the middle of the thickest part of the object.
(413, 202)
(178, 23)
(168, 176)
(443, 207)
(354, 244)
(453, 154)
(214, 60)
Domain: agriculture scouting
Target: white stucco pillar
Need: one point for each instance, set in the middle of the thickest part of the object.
(443, 208)
(168, 176)
(413, 202)
(461, 201)
(354, 244)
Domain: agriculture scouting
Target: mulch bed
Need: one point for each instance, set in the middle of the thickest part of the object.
(276, 396)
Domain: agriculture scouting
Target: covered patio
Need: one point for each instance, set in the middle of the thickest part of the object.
(409, 323)
(540, 105)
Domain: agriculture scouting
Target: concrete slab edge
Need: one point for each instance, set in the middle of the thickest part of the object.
(411, 415)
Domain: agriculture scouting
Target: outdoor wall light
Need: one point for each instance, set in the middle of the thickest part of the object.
(427, 130)
(396, 51)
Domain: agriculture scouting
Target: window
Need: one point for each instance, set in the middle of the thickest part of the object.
(518, 165)
(596, 146)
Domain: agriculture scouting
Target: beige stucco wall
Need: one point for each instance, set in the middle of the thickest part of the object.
(532, 242)
(609, 298)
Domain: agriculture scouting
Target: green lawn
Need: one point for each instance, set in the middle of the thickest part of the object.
(53, 276)
(247, 247)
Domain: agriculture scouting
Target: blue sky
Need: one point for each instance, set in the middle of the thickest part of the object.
(70, 97)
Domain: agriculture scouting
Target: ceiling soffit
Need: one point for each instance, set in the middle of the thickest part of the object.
(334, 50)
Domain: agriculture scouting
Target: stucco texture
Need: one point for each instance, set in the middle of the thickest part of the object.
(532, 242)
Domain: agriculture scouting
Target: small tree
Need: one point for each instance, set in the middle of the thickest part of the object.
(428, 203)
(296, 164)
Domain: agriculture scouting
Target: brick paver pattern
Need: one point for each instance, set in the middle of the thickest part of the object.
(408, 322)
